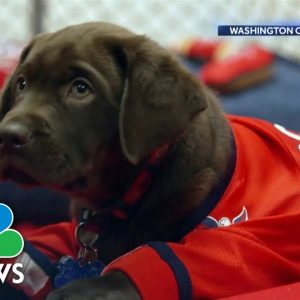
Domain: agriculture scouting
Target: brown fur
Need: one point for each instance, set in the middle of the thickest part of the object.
(93, 148)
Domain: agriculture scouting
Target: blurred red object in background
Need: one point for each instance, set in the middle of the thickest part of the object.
(243, 68)
(198, 49)
(6, 67)
(9, 55)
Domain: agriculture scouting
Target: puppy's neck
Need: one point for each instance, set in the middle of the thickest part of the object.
(194, 166)
(191, 169)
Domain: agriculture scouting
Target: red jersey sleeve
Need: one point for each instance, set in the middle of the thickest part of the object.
(291, 140)
(212, 263)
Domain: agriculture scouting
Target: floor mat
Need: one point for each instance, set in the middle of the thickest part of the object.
(276, 100)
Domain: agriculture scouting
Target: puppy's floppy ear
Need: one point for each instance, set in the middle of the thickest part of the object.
(6, 94)
(160, 99)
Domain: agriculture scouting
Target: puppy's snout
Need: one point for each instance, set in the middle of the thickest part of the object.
(14, 135)
(17, 132)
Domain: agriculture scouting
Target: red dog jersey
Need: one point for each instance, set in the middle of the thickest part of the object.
(244, 238)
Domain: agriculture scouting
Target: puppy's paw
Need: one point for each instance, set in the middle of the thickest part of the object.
(58, 295)
(114, 286)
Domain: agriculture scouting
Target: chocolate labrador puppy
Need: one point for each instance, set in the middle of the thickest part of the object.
(83, 112)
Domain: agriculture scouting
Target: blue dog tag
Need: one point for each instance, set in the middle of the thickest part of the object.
(70, 270)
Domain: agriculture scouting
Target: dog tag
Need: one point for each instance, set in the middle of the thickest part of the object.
(86, 234)
(86, 265)
(70, 270)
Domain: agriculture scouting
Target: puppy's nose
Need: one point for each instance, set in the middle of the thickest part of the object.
(14, 135)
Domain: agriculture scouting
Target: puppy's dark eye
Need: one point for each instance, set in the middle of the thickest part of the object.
(21, 83)
(80, 89)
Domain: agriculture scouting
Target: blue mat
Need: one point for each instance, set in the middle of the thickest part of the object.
(276, 100)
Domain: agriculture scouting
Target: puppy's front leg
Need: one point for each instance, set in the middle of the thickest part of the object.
(112, 286)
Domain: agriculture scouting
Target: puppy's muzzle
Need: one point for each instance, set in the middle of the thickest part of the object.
(14, 135)
(30, 153)
(19, 133)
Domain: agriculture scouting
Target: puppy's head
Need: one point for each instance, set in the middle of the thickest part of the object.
(82, 93)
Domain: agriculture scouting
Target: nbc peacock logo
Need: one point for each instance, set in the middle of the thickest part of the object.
(11, 245)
